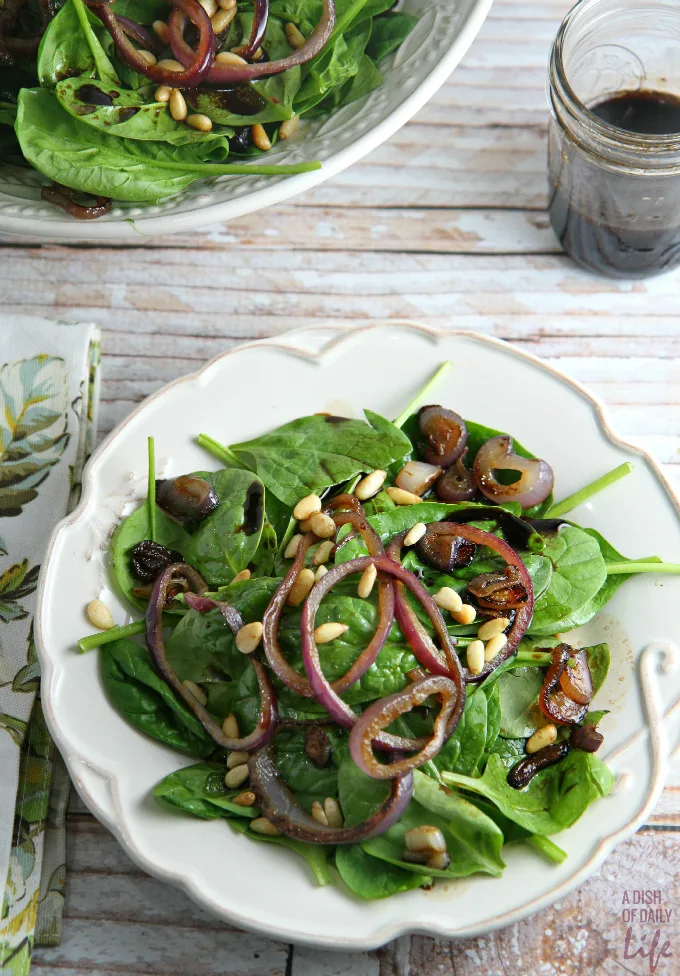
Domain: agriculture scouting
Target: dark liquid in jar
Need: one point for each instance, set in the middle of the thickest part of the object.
(626, 232)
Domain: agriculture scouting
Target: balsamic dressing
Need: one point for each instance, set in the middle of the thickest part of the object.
(648, 113)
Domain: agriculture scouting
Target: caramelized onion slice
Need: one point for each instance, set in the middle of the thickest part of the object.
(187, 499)
(417, 477)
(457, 484)
(555, 704)
(576, 680)
(536, 476)
(499, 591)
(446, 434)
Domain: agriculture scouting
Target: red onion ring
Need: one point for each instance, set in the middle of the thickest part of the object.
(225, 75)
(257, 31)
(280, 807)
(135, 31)
(384, 711)
(266, 724)
(202, 604)
(536, 481)
(558, 707)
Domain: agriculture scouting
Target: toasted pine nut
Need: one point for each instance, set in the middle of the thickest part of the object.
(333, 812)
(258, 55)
(263, 826)
(318, 813)
(448, 599)
(230, 726)
(492, 627)
(291, 548)
(248, 637)
(323, 553)
(439, 861)
(196, 691)
(322, 525)
(226, 4)
(240, 577)
(320, 573)
(289, 127)
(401, 497)
(246, 799)
(162, 31)
(147, 56)
(294, 37)
(305, 526)
(210, 7)
(414, 534)
(370, 485)
(222, 19)
(307, 506)
(545, 736)
(235, 759)
(99, 615)
(236, 777)
(162, 93)
(495, 646)
(260, 137)
(200, 122)
(178, 107)
(465, 615)
(475, 656)
(325, 633)
(425, 838)
(301, 588)
(228, 57)
(366, 582)
(170, 64)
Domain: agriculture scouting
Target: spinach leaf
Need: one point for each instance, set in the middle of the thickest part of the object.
(142, 11)
(316, 855)
(134, 529)
(313, 453)
(306, 780)
(201, 648)
(463, 751)
(200, 790)
(578, 574)
(599, 659)
(371, 878)
(359, 795)
(147, 703)
(518, 690)
(389, 32)
(67, 47)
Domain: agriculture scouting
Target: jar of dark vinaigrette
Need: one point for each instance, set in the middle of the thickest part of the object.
(614, 138)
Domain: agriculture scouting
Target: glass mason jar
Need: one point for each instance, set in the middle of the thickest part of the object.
(615, 193)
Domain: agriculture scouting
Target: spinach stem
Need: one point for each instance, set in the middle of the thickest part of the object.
(151, 490)
(642, 566)
(547, 847)
(579, 497)
(107, 636)
(419, 400)
(221, 452)
(239, 169)
(538, 659)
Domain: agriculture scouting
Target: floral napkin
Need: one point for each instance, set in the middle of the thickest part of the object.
(48, 398)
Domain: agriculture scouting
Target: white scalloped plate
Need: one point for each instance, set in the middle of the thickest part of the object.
(265, 888)
(445, 31)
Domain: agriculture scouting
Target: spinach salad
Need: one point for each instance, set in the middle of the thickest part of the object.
(358, 632)
(133, 100)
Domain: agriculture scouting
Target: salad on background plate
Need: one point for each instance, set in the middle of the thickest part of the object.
(359, 632)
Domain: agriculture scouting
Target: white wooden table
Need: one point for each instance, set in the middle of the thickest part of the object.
(445, 224)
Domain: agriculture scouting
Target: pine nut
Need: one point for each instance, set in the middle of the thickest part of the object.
(323, 553)
(543, 737)
(333, 812)
(326, 633)
(258, 55)
(370, 485)
(439, 861)
(248, 637)
(415, 534)
(200, 122)
(301, 588)
(465, 615)
(170, 64)
(210, 7)
(318, 813)
(448, 599)
(305, 526)
(162, 31)
(495, 646)
(162, 93)
(235, 759)
(289, 127)
(240, 577)
(366, 582)
(401, 497)
(178, 107)
(260, 137)
(492, 627)
(222, 19)
(228, 57)
(294, 37)
(291, 548)
(425, 838)
(246, 799)
(147, 56)
(230, 726)
(320, 573)
(99, 615)
(307, 506)
(196, 691)
(323, 525)
(236, 777)
(226, 4)
(475, 656)
(263, 826)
